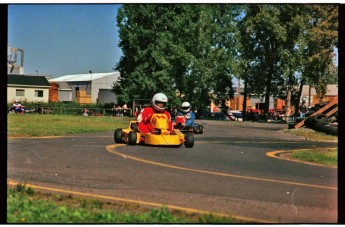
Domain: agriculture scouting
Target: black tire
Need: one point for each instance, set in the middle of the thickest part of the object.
(291, 125)
(132, 138)
(320, 124)
(189, 140)
(195, 130)
(201, 129)
(309, 122)
(329, 130)
(299, 119)
(118, 135)
(320, 117)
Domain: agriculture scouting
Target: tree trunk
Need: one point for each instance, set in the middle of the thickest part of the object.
(296, 104)
(268, 91)
(244, 105)
(288, 104)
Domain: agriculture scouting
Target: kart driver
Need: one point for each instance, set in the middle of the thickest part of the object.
(158, 104)
(189, 115)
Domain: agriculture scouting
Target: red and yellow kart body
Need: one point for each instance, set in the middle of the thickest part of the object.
(162, 136)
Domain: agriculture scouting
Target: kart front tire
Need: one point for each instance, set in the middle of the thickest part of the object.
(201, 129)
(118, 135)
(132, 138)
(196, 130)
(189, 140)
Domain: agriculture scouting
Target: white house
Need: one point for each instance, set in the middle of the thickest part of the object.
(87, 88)
(27, 88)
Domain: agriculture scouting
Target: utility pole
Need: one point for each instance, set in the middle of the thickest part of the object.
(91, 84)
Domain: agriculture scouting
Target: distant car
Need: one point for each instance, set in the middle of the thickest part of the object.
(205, 114)
(238, 115)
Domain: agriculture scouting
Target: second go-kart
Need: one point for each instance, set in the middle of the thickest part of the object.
(180, 122)
(163, 137)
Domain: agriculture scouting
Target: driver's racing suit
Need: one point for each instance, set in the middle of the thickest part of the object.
(144, 118)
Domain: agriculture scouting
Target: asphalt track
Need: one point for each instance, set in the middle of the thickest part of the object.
(231, 170)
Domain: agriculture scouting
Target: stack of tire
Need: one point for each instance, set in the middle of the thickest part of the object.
(322, 123)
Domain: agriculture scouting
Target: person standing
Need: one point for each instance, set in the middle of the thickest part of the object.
(85, 112)
(302, 109)
(125, 110)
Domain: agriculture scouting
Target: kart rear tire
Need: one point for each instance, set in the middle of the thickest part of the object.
(189, 140)
(118, 135)
(196, 130)
(201, 129)
(132, 138)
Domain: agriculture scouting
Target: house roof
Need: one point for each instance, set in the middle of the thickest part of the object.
(27, 80)
(83, 77)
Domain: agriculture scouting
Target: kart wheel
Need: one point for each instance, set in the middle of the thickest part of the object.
(201, 129)
(189, 140)
(196, 130)
(118, 135)
(132, 138)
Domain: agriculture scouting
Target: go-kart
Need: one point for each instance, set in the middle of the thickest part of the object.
(162, 136)
(180, 122)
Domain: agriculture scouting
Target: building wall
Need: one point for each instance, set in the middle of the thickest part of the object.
(65, 95)
(106, 96)
(102, 83)
(54, 92)
(29, 94)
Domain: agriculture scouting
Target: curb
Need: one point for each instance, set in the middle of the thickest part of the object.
(277, 154)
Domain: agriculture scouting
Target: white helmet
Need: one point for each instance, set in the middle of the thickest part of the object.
(185, 107)
(159, 98)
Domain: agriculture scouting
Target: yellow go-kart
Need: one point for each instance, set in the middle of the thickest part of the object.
(163, 137)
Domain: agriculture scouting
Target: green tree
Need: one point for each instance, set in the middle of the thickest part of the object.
(286, 45)
(262, 36)
(142, 30)
(321, 37)
(183, 50)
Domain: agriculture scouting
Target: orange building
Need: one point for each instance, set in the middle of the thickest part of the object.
(53, 92)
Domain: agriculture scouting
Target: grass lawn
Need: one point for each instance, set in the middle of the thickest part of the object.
(33, 125)
(24, 205)
(327, 157)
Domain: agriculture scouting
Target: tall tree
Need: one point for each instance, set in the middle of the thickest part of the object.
(262, 36)
(321, 37)
(184, 50)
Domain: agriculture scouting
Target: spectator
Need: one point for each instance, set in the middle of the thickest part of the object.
(120, 111)
(85, 112)
(174, 112)
(125, 110)
(158, 104)
(302, 109)
(114, 109)
(18, 107)
(136, 111)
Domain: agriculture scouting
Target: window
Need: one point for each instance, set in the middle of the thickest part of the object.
(38, 93)
(20, 92)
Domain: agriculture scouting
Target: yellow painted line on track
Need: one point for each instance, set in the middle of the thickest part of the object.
(243, 142)
(275, 154)
(34, 137)
(185, 209)
(111, 149)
